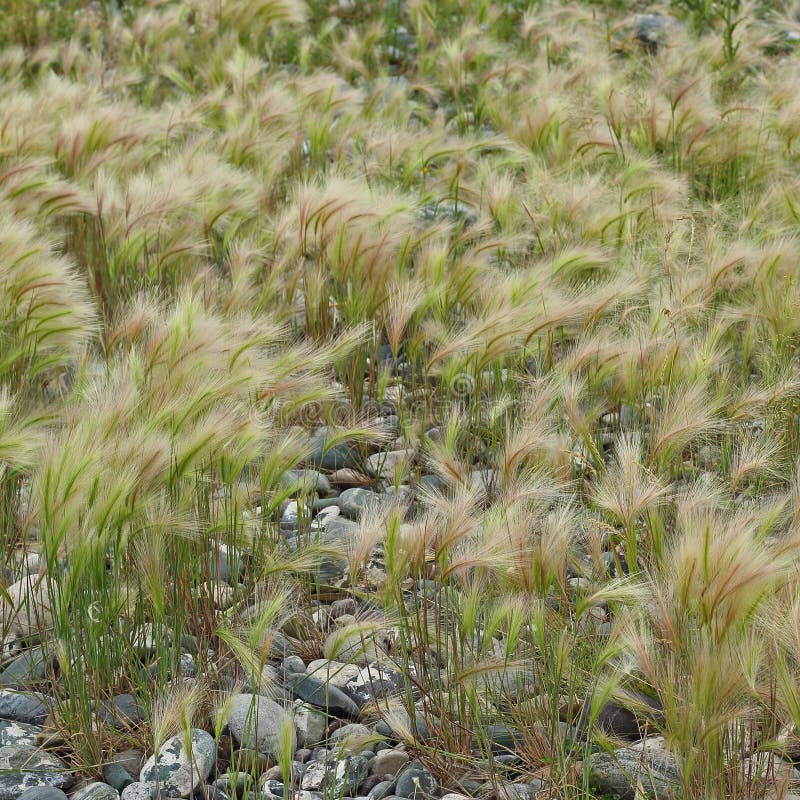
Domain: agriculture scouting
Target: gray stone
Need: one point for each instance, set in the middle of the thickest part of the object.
(519, 791)
(311, 725)
(390, 762)
(322, 695)
(338, 528)
(12, 732)
(416, 782)
(226, 565)
(178, 772)
(341, 776)
(652, 30)
(352, 738)
(646, 762)
(28, 611)
(381, 790)
(28, 707)
(389, 465)
(615, 720)
(116, 776)
(354, 502)
(42, 793)
(258, 722)
(502, 739)
(293, 664)
(96, 791)
(374, 682)
(24, 766)
(130, 760)
(399, 724)
(26, 669)
(338, 456)
(306, 481)
(122, 712)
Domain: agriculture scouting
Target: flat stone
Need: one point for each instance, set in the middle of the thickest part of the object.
(257, 722)
(646, 762)
(30, 707)
(12, 732)
(322, 695)
(178, 772)
(42, 793)
(335, 673)
(391, 464)
(24, 766)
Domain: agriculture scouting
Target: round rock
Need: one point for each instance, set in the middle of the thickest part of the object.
(258, 722)
(179, 772)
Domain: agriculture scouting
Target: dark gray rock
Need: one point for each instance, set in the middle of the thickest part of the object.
(616, 720)
(339, 456)
(123, 712)
(502, 739)
(178, 772)
(293, 664)
(24, 766)
(27, 669)
(652, 30)
(31, 707)
(116, 776)
(130, 760)
(646, 762)
(257, 722)
(317, 693)
(381, 790)
(416, 782)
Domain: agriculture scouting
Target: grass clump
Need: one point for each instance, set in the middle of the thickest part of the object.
(529, 273)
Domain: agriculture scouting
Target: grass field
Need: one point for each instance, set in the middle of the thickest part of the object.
(528, 273)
